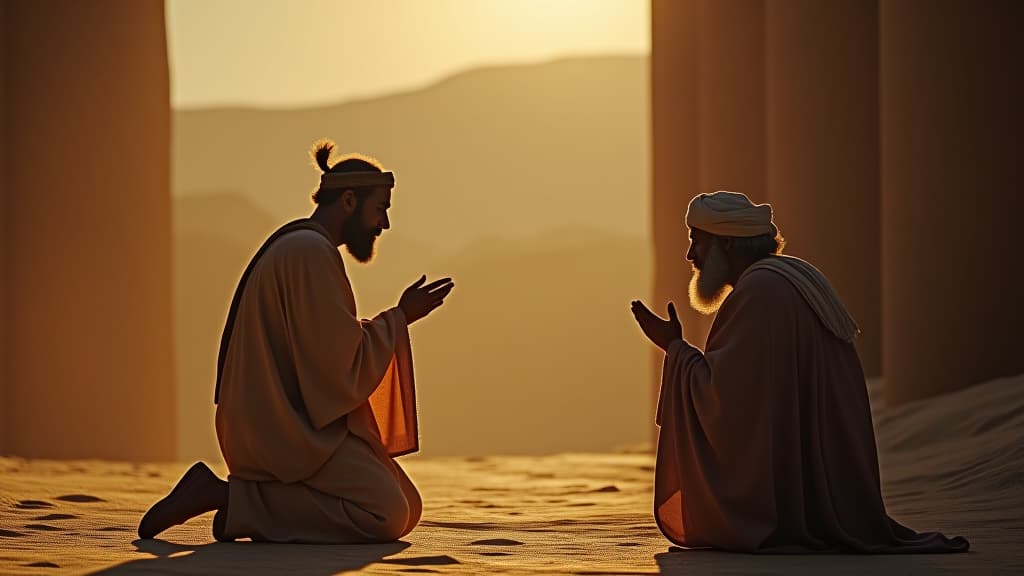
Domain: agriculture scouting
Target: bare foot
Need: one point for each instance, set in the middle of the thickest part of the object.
(199, 491)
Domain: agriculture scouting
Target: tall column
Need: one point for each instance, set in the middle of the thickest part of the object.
(823, 151)
(951, 197)
(5, 404)
(87, 141)
(732, 112)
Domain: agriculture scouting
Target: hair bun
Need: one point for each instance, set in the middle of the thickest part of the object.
(321, 153)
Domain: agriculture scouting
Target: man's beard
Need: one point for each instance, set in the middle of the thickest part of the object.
(709, 285)
(359, 240)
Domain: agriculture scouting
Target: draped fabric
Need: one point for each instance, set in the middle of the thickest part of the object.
(766, 441)
(306, 386)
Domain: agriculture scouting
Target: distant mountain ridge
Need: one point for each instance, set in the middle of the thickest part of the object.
(513, 150)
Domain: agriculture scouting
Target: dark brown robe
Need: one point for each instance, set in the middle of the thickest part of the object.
(766, 441)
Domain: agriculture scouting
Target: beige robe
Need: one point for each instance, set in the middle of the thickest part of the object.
(766, 441)
(314, 403)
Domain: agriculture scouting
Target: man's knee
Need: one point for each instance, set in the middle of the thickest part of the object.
(385, 514)
(383, 520)
(396, 520)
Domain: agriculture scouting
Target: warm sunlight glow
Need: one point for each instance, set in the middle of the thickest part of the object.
(284, 54)
(394, 286)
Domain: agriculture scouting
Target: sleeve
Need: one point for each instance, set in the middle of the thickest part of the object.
(714, 479)
(393, 403)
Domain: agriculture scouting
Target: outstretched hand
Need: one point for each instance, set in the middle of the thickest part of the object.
(420, 299)
(658, 330)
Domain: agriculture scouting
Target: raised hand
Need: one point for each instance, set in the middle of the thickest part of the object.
(658, 330)
(418, 300)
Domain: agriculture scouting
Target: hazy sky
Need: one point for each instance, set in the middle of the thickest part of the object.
(293, 53)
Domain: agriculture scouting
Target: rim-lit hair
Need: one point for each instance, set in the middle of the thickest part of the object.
(757, 247)
(321, 153)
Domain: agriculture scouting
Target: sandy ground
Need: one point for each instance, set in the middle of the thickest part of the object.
(953, 463)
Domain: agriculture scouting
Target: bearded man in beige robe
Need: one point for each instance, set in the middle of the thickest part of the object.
(766, 441)
(314, 404)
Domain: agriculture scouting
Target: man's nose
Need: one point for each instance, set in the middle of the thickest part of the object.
(387, 223)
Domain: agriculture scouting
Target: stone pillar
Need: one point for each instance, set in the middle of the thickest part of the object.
(87, 216)
(5, 404)
(821, 62)
(732, 88)
(951, 196)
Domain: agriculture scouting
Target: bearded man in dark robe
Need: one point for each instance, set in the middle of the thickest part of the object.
(766, 441)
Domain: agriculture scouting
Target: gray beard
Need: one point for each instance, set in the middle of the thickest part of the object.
(709, 285)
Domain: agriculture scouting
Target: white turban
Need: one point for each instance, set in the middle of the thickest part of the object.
(730, 214)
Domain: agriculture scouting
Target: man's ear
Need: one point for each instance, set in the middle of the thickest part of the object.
(348, 201)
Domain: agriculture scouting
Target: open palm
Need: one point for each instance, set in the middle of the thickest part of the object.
(658, 330)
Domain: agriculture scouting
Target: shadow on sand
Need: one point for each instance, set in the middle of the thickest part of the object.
(252, 558)
(679, 561)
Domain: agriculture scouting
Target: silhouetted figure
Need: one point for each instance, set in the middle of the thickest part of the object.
(313, 403)
(766, 441)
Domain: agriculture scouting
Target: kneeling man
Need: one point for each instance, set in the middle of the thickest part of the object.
(766, 441)
(313, 403)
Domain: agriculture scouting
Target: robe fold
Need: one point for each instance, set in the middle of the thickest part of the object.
(314, 403)
(766, 441)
